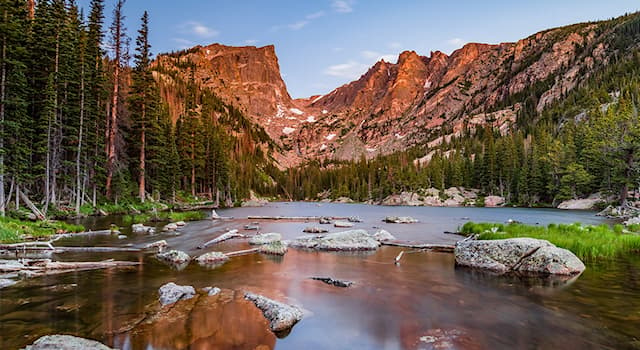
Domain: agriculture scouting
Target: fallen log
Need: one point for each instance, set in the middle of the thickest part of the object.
(46, 265)
(445, 248)
(56, 249)
(242, 252)
(223, 237)
(293, 218)
(31, 206)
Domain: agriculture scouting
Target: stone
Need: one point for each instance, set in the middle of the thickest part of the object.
(170, 227)
(265, 238)
(212, 258)
(314, 229)
(281, 316)
(5, 282)
(527, 255)
(122, 237)
(399, 220)
(274, 248)
(171, 292)
(211, 291)
(493, 201)
(181, 223)
(325, 221)
(343, 224)
(161, 244)
(383, 235)
(338, 241)
(334, 282)
(354, 219)
(343, 200)
(176, 257)
(65, 342)
(580, 204)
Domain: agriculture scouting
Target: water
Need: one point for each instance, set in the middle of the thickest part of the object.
(389, 307)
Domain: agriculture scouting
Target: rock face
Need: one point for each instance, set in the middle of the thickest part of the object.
(526, 255)
(66, 342)
(265, 238)
(493, 201)
(171, 292)
(338, 241)
(582, 204)
(281, 316)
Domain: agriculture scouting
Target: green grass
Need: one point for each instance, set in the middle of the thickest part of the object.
(13, 230)
(164, 216)
(587, 242)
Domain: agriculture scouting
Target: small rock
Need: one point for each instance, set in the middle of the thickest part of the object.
(4, 282)
(314, 229)
(399, 220)
(157, 244)
(325, 221)
(212, 258)
(281, 316)
(140, 228)
(211, 291)
(383, 235)
(354, 219)
(344, 224)
(66, 342)
(181, 223)
(171, 292)
(170, 227)
(274, 248)
(333, 282)
(122, 237)
(174, 257)
(265, 238)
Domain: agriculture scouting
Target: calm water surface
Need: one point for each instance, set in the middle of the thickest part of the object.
(389, 307)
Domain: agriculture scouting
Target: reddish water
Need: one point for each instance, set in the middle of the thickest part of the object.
(413, 305)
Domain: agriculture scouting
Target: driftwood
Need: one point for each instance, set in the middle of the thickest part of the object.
(57, 249)
(47, 265)
(293, 218)
(242, 252)
(445, 248)
(223, 237)
(31, 206)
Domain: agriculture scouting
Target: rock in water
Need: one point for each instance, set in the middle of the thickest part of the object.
(383, 235)
(4, 282)
(140, 228)
(338, 241)
(212, 258)
(343, 224)
(399, 220)
(211, 291)
(265, 238)
(66, 342)
(171, 292)
(315, 229)
(333, 282)
(325, 221)
(161, 244)
(170, 227)
(281, 316)
(518, 254)
(174, 257)
(274, 248)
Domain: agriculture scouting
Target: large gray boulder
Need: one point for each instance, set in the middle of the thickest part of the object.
(340, 241)
(265, 238)
(171, 292)
(527, 255)
(281, 316)
(65, 342)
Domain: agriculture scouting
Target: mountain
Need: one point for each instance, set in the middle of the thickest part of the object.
(416, 101)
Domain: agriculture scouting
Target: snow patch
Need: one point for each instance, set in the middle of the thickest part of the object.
(324, 111)
(287, 130)
(292, 118)
(317, 99)
(399, 137)
(311, 119)
(323, 147)
(296, 111)
(330, 137)
(280, 112)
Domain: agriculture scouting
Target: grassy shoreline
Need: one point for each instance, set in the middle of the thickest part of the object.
(14, 230)
(586, 241)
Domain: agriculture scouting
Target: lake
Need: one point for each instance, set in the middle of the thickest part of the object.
(418, 304)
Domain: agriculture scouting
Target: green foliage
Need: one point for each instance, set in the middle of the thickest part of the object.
(164, 216)
(13, 230)
(587, 242)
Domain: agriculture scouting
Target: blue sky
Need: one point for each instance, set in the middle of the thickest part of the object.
(322, 44)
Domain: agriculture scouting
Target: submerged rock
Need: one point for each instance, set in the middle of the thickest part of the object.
(176, 257)
(265, 238)
(343, 224)
(171, 292)
(211, 291)
(517, 255)
(383, 235)
(325, 221)
(333, 282)
(4, 282)
(346, 240)
(170, 227)
(66, 342)
(315, 229)
(400, 220)
(281, 316)
(140, 228)
(161, 244)
(212, 258)
(273, 248)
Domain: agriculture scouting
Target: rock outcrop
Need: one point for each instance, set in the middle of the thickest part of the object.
(281, 316)
(524, 255)
(338, 241)
(171, 292)
(66, 342)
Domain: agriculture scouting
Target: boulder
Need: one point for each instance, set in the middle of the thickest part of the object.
(338, 241)
(315, 229)
(175, 257)
(4, 282)
(404, 198)
(170, 227)
(526, 255)
(212, 258)
(161, 244)
(383, 235)
(399, 220)
(493, 201)
(325, 221)
(343, 200)
(181, 223)
(265, 238)
(273, 248)
(65, 342)
(343, 224)
(211, 291)
(281, 316)
(580, 204)
(171, 292)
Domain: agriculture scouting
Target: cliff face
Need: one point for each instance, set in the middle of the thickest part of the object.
(397, 105)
